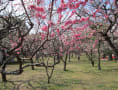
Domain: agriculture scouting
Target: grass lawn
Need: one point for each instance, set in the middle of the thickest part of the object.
(79, 76)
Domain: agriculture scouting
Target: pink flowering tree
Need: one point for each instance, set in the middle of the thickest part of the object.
(53, 20)
(105, 19)
(13, 31)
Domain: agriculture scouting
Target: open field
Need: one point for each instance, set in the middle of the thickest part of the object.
(79, 76)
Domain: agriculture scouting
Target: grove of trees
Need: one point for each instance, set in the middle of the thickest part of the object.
(43, 33)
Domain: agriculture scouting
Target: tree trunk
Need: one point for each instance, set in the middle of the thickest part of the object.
(92, 63)
(107, 38)
(78, 58)
(48, 80)
(65, 62)
(64, 66)
(91, 58)
(4, 79)
(3, 74)
(4, 63)
(110, 57)
(69, 56)
(99, 62)
(32, 63)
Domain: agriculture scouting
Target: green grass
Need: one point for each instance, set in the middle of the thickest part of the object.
(79, 76)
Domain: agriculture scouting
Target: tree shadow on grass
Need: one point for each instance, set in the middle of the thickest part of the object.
(110, 70)
(32, 84)
(19, 85)
(35, 84)
(69, 71)
(38, 85)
